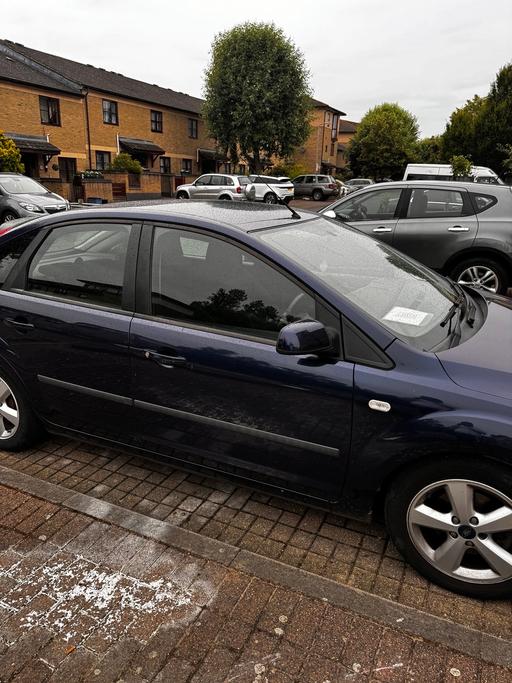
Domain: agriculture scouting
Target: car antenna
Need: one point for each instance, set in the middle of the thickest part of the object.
(281, 201)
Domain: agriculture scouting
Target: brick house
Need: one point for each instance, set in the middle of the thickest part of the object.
(67, 117)
(319, 153)
(346, 131)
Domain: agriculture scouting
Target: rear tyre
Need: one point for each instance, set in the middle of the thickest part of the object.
(182, 195)
(318, 195)
(225, 198)
(8, 216)
(270, 198)
(482, 272)
(452, 521)
(19, 427)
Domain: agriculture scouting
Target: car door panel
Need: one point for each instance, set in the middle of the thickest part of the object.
(240, 406)
(442, 224)
(374, 212)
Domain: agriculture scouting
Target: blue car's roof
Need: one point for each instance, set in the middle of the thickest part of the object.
(243, 216)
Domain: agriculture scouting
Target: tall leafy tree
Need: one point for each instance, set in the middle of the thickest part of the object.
(430, 150)
(386, 140)
(493, 130)
(257, 94)
(10, 156)
(460, 136)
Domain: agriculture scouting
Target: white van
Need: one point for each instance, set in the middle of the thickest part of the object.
(479, 174)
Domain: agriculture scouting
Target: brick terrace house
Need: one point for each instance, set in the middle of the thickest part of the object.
(346, 131)
(319, 153)
(67, 117)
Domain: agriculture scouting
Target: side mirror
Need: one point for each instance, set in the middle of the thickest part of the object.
(307, 336)
(329, 214)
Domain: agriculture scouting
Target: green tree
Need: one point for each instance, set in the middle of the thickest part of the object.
(10, 156)
(125, 162)
(257, 95)
(385, 142)
(461, 167)
(493, 130)
(430, 150)
(460, 135)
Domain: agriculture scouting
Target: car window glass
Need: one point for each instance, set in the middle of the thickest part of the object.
(483, 201)
(323, 179)
(226, 180)
(243, 180)
(82, 263)
(299, 179)
(428, 203)
(217, 180)
(372, 206)
(203, 180)
(210, 282)
(11, 251)
(310, 179)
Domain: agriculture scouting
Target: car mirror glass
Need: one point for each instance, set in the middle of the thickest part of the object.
(330, 214)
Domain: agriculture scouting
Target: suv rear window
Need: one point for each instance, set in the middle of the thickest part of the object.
(481, 202)
(243, 180)
(324, 179)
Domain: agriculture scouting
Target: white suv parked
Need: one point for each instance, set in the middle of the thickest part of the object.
(269, 189)
(214, 186)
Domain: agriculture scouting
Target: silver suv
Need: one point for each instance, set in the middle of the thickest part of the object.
(21, 196)
(317, 187)
(463, 230)
(214, 186)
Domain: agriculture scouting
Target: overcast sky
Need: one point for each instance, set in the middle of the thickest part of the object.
(430, 56)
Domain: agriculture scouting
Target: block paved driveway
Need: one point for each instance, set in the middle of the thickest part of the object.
(83, 600)
(348, 552)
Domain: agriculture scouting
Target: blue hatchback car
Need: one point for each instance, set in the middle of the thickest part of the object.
(286, 349)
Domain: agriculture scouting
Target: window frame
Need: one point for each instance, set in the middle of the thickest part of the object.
(48, 100)
(143, 304)
(157, 121)
(403, 204)
(104, 111)
(104, 166)
(193, 128)
(16, 281)
(186, 166)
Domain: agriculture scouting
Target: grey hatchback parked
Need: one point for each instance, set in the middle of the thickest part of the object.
(21, 196)
(463, 230)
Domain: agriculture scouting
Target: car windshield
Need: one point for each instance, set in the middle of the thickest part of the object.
(21, 185)
(409, 300)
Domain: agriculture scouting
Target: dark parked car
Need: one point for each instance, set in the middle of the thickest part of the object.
(21, 196)
(288, 350)
(461, 229)
(317, 187)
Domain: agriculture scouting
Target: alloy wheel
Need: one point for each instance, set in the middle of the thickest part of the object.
(9, 412)
(480, 276)
(463, 528)
(9, 217)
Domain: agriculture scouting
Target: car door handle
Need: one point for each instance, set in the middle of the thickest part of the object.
(19, 323)
(458, 228)
(382, 229)
(166, 361)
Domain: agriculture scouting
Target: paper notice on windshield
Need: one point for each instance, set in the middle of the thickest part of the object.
(408, 316)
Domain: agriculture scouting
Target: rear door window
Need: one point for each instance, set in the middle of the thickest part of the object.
(433, 203)
(83, 263)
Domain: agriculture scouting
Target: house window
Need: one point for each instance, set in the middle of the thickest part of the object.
(156, 121)
(186, 165)
(110, 112)
(102, 161)
(49, 108)
(192, 128)
(165, 165)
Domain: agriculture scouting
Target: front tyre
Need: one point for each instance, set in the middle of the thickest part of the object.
(19, 427)
(270, 198)
(452, 521)
(182, 195)
(318, 195)
(8, 216)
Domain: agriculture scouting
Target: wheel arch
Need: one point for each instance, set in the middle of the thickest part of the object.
(476, 252)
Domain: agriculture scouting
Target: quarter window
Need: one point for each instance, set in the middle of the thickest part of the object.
(209, 282)
(426, 203)
(156, 121)
(83, 263)
(50, 112)
(372, 206)
(11, 252)
(110, 112)
(482, 202)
